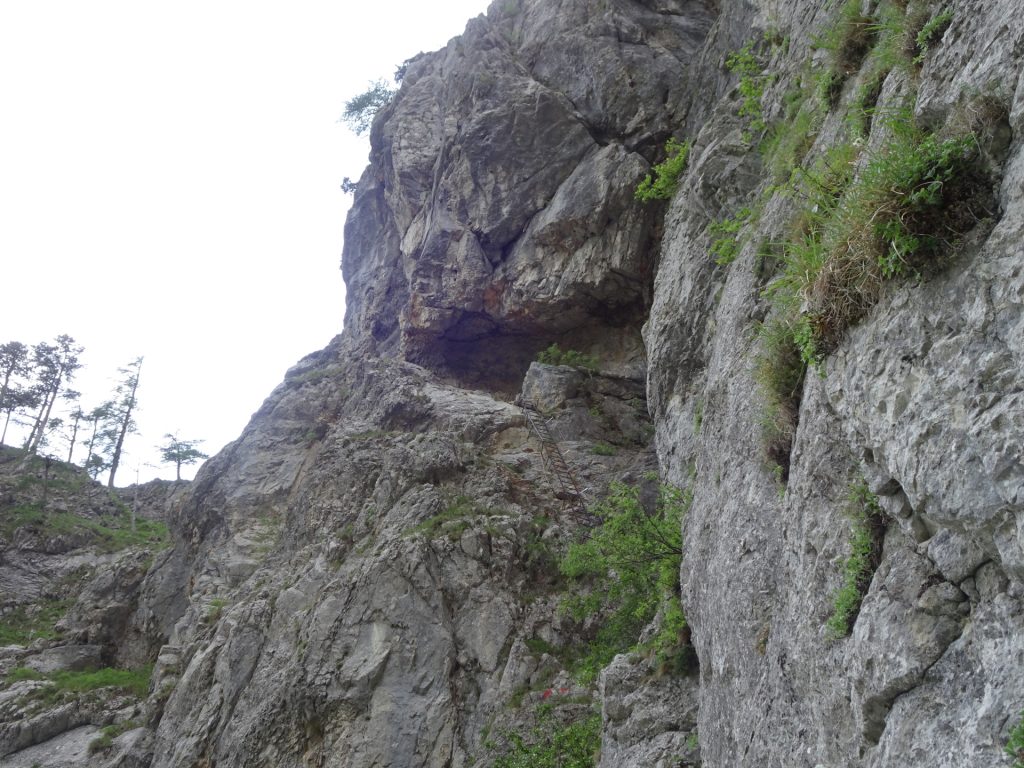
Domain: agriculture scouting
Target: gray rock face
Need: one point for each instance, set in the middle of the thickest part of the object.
(498, 209)
(920, 399)
(368, 601)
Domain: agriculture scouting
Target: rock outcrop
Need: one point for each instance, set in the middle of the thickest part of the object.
(369, 575)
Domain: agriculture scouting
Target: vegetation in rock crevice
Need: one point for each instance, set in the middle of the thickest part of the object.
(859, 222)
(1015, 744)
(867, 531)
(662, 181)
(553, 742)
(747, 64)
(555, 355)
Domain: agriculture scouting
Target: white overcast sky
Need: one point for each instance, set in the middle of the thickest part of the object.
(169, 187)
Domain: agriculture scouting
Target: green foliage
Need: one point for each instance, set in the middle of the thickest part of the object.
(631, 564)
(361, 109)
(725, 233)
(109, 533)
(554, 355)
(551, 744)
(747, 64)
(931, 33)
(865, 549)
(1015, 744)
(661, 182)
(603, 449)
(22, 673)
(133, 681)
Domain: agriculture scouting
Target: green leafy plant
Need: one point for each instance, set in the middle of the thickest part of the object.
(746, 63)
(553, 744)
(931, 33)
(603, 449)
(555, 355)
(631, 565)
(725, 244)
(867, 527)
(1015, 744)
(661, 182)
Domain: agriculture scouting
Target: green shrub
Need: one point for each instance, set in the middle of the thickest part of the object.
(551, 744)
(1015, 745)
(555, 355)
(631, 565)
(867, 527)
(661, 182)
(603, 449)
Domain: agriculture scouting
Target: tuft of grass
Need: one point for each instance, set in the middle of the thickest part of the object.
(662, 181)
(108, 734)
(867, 529)
(22, 673)
(603, 449)
(848, 39)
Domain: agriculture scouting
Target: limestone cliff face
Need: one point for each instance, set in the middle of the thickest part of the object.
(367, 576)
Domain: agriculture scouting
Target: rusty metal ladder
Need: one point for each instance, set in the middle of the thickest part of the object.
(571, 493)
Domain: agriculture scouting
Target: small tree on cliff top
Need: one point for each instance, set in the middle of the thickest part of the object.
(178, 452)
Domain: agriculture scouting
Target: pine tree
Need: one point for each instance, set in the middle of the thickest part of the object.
(55, 365)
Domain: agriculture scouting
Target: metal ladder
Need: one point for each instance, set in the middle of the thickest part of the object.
(571, 493)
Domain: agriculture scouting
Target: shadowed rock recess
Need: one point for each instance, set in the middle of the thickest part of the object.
(369, 575)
